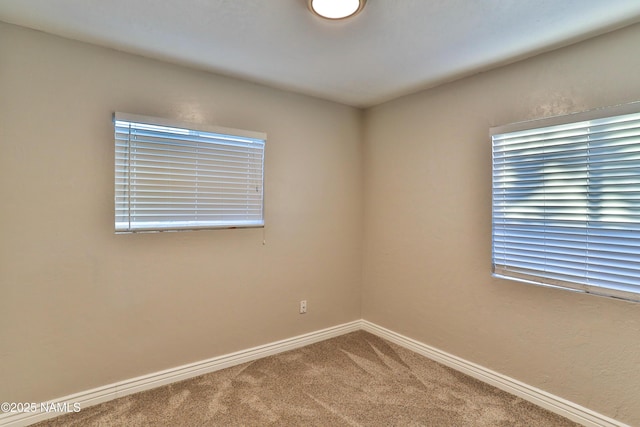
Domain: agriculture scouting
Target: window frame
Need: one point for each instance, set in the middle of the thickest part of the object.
(218, 135)
(631, 291)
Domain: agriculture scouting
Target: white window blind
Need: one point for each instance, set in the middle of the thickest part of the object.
(566, 202)
(169, 176)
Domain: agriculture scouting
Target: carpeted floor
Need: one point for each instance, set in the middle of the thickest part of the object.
(356, 379)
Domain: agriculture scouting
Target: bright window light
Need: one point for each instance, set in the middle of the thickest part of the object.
(566, 202)
(172, 176)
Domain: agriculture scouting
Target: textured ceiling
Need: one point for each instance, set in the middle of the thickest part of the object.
(394, 47)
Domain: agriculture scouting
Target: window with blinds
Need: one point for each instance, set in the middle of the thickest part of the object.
(170, 176)
(566, 202)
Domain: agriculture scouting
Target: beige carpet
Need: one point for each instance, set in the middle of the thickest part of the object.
(356, 379)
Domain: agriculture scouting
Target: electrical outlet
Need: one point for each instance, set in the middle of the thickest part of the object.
(303, 306)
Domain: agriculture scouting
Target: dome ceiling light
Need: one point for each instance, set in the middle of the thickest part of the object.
(336, 9)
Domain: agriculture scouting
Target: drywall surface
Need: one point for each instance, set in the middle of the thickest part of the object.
(427, 252)
(81, 307)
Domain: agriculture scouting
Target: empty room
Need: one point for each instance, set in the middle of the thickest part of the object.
(274, 212)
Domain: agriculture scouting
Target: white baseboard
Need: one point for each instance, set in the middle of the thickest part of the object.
(146, 382)
(534, 395)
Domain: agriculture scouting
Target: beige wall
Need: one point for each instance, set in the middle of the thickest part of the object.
(428, 230)
(81, 307)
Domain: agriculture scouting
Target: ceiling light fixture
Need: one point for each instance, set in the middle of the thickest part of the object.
(336, 9)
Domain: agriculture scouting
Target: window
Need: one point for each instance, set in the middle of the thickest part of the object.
(566, 202)
(169, 176)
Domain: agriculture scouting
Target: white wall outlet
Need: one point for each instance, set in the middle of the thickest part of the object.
(303, 306)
